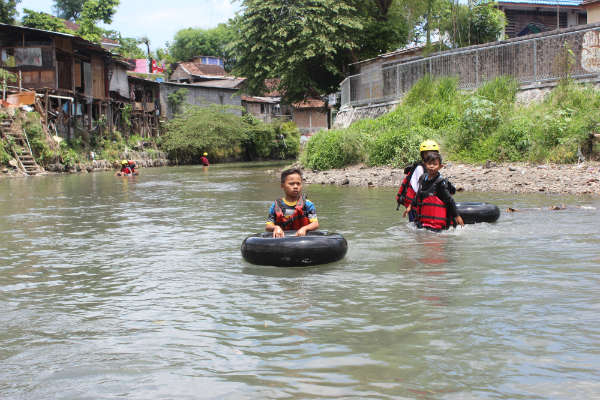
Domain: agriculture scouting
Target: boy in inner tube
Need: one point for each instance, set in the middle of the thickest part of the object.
(435, 208)
(293, 212)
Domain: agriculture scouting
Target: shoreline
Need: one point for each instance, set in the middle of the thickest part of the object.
(577, 179)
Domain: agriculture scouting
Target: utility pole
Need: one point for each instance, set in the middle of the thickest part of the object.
(557, 15)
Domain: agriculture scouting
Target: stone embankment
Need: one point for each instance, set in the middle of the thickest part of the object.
(581, 178)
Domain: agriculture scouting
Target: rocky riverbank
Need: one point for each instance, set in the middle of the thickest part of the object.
(581, 178)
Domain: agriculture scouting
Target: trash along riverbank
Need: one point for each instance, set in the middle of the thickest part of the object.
(583, 178)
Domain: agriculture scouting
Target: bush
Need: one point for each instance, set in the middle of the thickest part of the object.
(397, 147)
(334, 149)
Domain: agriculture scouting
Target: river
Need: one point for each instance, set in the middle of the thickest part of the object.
(135, 288)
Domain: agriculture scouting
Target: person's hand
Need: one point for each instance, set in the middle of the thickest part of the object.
(301, 232)
(405, 213)
(460, 221)
(278, 232)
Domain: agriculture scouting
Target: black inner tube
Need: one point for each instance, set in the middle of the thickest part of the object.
(474, 212)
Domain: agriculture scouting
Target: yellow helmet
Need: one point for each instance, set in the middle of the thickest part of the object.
(123, 162)
(205, 154)
(429, 145)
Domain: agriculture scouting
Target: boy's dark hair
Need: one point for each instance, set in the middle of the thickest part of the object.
(424, 154)
(290, 171)
(432, 156)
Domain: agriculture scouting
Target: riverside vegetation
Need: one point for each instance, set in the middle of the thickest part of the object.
(473, 127)
(215, 129)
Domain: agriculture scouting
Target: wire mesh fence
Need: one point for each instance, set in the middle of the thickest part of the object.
(538, 58)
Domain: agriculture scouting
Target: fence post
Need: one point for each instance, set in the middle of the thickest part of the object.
(397, 81)
(429, 66)
(476, 68)
(535, 60)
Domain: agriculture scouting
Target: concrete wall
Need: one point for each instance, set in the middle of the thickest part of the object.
(200, 96)
(310, 120)
(593, 15)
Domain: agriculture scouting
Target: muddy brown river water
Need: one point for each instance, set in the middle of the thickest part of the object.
(134, 288)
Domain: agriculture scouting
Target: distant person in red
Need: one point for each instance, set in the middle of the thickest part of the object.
(204, 160)
(132, 166)
(125, 169)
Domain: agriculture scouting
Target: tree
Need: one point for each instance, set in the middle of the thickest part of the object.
(305, 43)
(41, 20)
(93, 12)
(129, 48)
(68, 9)
(8, 11)
(191, 42)
(476, 23)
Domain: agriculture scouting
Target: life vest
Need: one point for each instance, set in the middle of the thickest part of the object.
(294, 221)
(432, 213)
(406, 193)
(126, 170)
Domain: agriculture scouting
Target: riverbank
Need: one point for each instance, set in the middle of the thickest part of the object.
(581, 178)
(141, 159)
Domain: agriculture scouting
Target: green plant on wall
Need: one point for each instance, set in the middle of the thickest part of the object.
(176, 98)
(6, 77)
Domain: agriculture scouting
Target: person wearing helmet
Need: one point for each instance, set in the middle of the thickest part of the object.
(125, 169)
(132, 166)
(413, 172)
(204, 160)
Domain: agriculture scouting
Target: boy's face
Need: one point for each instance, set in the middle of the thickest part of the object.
(292, 186)
(433, 167)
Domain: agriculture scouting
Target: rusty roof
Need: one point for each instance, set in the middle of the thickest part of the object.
(197, 69)
(258, 99)
(309, 103)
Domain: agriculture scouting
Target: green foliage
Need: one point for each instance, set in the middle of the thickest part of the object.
(176, 98)
(94, 12)
(5, 153)
(41, 20)
(8, 11)
(192, 42)
(130, 47)
(481, 23)
(69, 9)
(334, 149)
(474, 127)
(308, 43)
(225, 135)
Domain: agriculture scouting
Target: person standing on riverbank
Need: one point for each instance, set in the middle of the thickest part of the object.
(293, 211)
(410, 184)
(435, 208)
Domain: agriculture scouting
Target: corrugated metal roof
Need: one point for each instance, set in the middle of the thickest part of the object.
(572, 3)
(233, 83)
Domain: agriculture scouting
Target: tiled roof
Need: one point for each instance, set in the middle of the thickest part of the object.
(198, 69)
(309, 103)
(572, 3)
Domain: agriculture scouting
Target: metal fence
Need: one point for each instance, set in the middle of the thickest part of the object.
(529, 60)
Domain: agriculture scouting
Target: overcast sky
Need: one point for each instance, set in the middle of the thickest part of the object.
(157, 19)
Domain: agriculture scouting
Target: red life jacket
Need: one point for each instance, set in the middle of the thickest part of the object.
(294, 221)
(126, 170)
(431, 211)
(406, 193)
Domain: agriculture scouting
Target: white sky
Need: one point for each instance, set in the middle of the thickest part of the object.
(157, 19)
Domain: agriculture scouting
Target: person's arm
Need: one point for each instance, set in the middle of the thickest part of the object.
(271, 227)
(311, 214)
(446, 197)
(414, 179)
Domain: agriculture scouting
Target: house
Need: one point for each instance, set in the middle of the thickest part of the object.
(145, 106)
(198, 70)
(526, 17)
(220, 91)
(593, 10)
(310, 115)
(264, 108)
(69, 71)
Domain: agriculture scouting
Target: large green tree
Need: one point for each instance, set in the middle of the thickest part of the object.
(309, 43)
(8, 11)
(191, 42)
(68, 9)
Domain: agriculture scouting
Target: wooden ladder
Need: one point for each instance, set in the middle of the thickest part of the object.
(21, 148)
